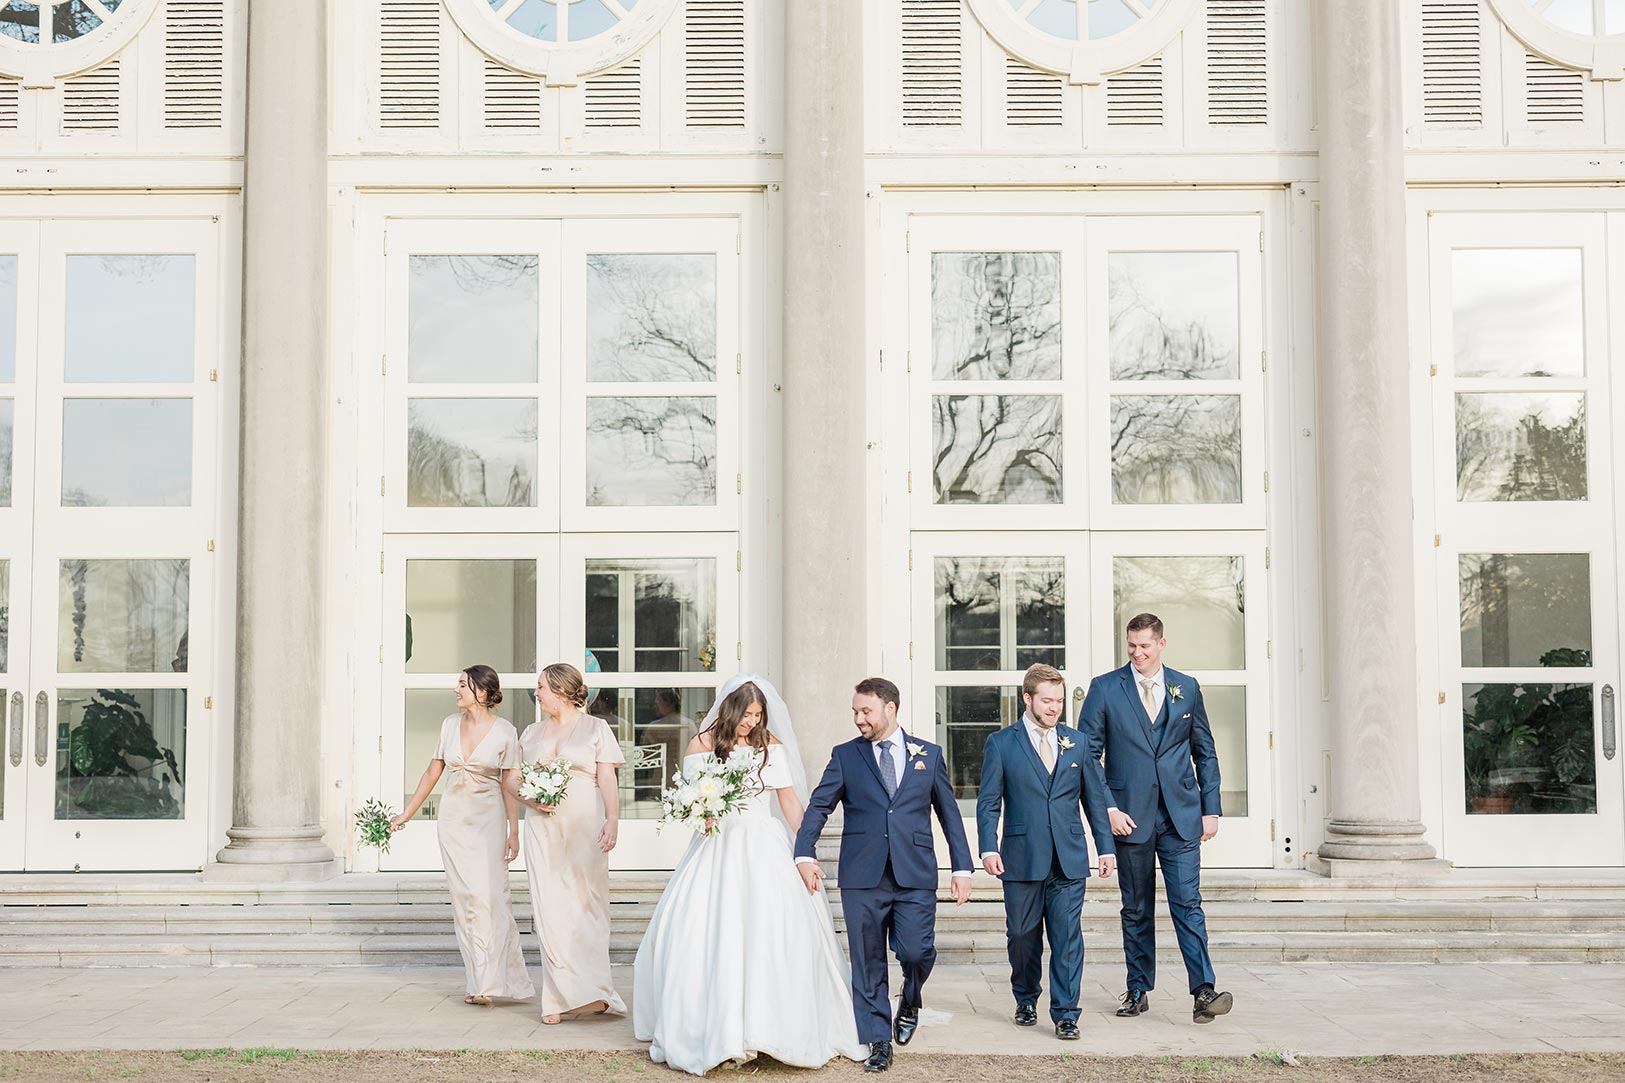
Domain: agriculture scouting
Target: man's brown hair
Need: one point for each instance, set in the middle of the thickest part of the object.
(1038, 674)
(1141, 621)
(882, 688)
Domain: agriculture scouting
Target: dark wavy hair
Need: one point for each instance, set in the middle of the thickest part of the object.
(484, 683)
(725, 730)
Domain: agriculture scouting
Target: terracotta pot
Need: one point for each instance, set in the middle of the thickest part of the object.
(1499, 805)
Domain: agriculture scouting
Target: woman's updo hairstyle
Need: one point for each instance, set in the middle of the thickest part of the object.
(484, 683)
(566, 681)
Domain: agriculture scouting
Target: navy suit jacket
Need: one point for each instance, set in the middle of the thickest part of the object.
(1174, 760)
(1041, 811)
(878, 829)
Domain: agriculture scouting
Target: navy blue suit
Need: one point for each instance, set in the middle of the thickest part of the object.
(1045, 853)
(1164, 773)
(888, 868)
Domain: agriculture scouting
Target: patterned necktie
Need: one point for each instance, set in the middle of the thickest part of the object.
(1046, 750)
(1148, 697)
(888, 776)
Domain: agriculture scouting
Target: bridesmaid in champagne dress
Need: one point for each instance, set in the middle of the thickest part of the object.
(478, 825)
(567, 849)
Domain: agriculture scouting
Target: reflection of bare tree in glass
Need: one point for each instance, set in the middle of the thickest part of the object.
(973, 594)
(443, 473)
(68, 22)
(996, 315)
(1537, 456)
(992, 449)
(128, 616)
(5, 455)
(1176, 449)
(651, 317)
(1546, 596)
(1203, 599)
(1151, 339)
(655, 450)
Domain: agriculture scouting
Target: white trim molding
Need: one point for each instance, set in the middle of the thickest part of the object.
(1600, 54)
(40, 66)
(1084, 61)
(559, 64)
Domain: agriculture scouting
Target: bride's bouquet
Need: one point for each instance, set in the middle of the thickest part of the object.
(702, 798)
(544, 783)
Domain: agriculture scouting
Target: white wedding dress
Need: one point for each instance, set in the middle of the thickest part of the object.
(739, 959)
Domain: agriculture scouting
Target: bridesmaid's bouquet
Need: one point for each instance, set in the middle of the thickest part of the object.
(702, 798)
(544, 783)
(373, 826)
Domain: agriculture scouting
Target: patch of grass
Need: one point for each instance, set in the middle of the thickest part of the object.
(206, 1054)
(1270, 1056)
(263, 1052)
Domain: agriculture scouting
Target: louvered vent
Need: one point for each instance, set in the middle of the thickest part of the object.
(8, 105)
(1452, 63)
(511, 100)
(1032, 98)
(194, 63)
(1134, 97)
(615, 98)
(409, 64)
(1552, 95)
(1237, 62)
(90, 102)
(714, 59)
(932, 64)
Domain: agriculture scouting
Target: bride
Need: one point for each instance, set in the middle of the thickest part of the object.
(739, 959)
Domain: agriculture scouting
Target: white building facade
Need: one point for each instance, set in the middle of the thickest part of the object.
(344, 345)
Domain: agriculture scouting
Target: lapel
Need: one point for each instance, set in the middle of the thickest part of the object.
(1045, 779)
(1131, 692)
(866, 752)
(1169, 704)
(908, 768)
(1163, 717)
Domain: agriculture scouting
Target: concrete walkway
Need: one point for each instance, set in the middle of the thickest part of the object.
(1322, 1010)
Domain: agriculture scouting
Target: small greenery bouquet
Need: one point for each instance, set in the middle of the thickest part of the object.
(702, 798)
(372, 824)
(544, 783)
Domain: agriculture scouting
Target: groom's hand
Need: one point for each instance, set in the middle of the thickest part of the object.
(961, 890)
(993, 864)
(1210, 827)
(811, 874)
(1108, 865)
(1122, 823)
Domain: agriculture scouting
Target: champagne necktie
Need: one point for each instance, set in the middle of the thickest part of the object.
(1046, 751)
(1148, 698)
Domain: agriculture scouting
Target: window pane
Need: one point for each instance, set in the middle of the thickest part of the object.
(119, 754)
(8, 319)
(426, 709)
(1174, 315)
(651, 317)
(132, 453)
(1058, 17)
(130, 319)
(1108, 17)
(1520, 447)
(6, 409)
(996, 316)
(471, 453)
(123, 616)
(1201, 600)
(1525, 609)
(652, 452)
(1527, 748)
(472, 319)
(654, 726)
(461, 613)
(1000, 613)
(1227, 717)
(997, 449)
(1176, 449)
(965, 718)
(1517, 312)
(659, 614)
(5, 619)
(1572, 15)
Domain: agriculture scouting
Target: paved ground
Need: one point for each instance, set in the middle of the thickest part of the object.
(1320, 1010)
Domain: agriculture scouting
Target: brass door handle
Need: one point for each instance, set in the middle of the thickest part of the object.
(16, 740)
(42, 728)
(1608, 738)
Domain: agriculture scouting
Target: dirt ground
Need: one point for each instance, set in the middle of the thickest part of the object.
(542, 1066)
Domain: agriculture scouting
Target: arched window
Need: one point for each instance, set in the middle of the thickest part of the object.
(1587, 35)
(560, 40)
(45, 40)
(1083, 39)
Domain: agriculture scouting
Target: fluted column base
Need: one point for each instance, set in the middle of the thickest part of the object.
(274, 855)
(1376, 848)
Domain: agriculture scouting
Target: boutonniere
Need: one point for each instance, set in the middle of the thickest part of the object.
(1066, 743)
(1175, 692)
(915, 749)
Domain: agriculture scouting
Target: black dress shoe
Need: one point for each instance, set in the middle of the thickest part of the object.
(1208, 1005)
(1067, 1030)
(1135, 1002)
(1026, 1015)
(903, 1027)
(879, 1057)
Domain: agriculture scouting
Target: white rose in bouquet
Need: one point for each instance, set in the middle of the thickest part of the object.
(545, 783)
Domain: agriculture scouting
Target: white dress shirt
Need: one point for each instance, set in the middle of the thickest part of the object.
(899, 763)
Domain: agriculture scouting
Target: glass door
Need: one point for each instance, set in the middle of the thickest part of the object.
(1526, 550)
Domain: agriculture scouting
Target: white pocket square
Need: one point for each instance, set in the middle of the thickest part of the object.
(1186, 715)
(1074, 766)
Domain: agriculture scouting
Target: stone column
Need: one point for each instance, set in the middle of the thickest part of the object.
(1366, 501)
(276, 829)
(825, 489)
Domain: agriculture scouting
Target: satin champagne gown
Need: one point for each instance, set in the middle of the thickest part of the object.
(569, 874)
(473, 830)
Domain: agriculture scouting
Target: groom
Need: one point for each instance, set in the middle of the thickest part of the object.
(889, 783)
(1163, 774)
